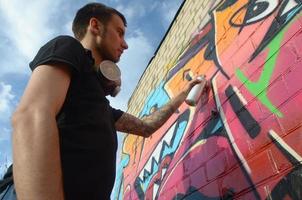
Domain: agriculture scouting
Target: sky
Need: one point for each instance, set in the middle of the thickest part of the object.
(25, 27)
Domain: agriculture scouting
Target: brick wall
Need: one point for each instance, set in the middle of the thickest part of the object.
(192, 15)
(243, 138)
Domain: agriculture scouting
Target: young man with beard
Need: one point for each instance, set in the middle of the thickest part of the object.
(64, 130)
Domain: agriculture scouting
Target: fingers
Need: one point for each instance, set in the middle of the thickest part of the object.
(194, 82)
(199, 79)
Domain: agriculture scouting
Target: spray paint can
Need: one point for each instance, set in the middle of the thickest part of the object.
(195, 93)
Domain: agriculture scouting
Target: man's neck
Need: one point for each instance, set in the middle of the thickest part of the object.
(88, 44)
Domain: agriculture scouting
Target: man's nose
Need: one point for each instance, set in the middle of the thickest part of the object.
(125, 45)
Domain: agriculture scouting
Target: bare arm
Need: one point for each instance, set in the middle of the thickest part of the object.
(36, 155)
(148, 125)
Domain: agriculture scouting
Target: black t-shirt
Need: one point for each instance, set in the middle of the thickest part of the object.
(88, 140)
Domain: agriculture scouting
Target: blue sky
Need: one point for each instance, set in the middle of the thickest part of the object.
(25, 27)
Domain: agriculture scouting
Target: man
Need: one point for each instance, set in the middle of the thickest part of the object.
(64, 138)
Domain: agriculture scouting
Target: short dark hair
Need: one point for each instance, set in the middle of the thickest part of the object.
(97, 10)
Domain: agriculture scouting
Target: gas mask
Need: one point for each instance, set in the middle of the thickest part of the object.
(110, 77)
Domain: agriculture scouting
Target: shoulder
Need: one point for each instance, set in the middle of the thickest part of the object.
(65, 40)
(62, 49)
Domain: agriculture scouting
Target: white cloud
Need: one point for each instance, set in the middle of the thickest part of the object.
(6, 101)
(132, 65)
(27, 24)
(132, 11)
(5, 161)
(68, 28)
(137, 56)
(138, 41)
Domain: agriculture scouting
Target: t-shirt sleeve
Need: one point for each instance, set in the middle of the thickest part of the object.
(62, 49)
(117, 113)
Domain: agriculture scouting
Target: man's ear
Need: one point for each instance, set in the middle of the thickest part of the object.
(95, 26)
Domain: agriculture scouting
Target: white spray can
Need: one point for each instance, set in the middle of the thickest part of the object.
(195, 93)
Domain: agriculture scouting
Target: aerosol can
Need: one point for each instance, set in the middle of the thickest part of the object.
(195, 93)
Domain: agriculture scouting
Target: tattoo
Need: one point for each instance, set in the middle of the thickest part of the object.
(159, 117)
(149, 124)
(133, 125)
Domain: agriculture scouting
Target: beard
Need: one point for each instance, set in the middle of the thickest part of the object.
(104, 50)
(105, 54)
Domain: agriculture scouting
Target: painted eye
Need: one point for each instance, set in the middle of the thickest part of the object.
(256, 10)
(260, 9)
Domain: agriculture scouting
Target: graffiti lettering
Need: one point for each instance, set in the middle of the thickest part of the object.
(243, 142)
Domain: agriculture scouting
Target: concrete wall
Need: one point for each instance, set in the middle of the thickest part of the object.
(243, 139)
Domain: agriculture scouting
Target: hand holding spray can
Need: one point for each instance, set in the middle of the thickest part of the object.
(195, 93)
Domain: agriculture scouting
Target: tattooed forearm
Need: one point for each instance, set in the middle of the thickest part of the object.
(131, 124)
(156, 119)
(149, 124)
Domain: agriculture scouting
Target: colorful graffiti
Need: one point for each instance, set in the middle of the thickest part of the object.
(242, 140)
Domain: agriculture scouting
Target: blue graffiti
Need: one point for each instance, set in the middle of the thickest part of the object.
(165, 151)
(118, 188)
(293, 13)
(157, 98)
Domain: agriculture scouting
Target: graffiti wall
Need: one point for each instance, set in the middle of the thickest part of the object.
(243, 139)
